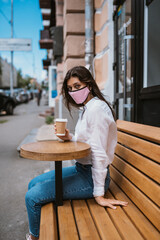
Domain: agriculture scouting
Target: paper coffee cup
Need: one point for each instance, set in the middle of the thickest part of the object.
(61, 124)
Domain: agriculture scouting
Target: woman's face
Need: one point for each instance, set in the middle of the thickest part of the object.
(74, 84)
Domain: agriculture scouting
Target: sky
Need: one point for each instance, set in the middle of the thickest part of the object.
(27, 24)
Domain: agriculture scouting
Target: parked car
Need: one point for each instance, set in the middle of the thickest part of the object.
(24, 97)
(7, 103)
(15, 95)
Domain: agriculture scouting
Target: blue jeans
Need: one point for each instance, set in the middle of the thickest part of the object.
(77, 184)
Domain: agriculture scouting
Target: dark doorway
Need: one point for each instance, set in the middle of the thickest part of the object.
(137, 58)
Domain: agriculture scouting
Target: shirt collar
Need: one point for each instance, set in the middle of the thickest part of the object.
(90, 102)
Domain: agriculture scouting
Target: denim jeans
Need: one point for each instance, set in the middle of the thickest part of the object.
(77, 184)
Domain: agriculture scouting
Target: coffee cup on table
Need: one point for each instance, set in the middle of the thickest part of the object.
(61, 124)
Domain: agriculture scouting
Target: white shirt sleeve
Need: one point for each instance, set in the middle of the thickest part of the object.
(99, 128)
(74, 138)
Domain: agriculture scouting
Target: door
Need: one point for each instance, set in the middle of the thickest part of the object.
(124, 65)
(137, 61)
(147, 91)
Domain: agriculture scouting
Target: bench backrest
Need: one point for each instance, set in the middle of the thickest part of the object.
(136, 167)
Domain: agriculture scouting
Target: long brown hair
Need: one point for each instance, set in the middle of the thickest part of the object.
(84, 75)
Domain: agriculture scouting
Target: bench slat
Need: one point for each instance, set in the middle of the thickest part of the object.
(147, 230)
(85, 223)
(148, 132)
(103, 221)
(150, 188)
(67, 227)
(123, 224)
(48, 225)
(144, 147)
(144, 164)
(150, 210)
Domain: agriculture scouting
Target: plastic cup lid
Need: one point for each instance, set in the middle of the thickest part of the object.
(61, 120)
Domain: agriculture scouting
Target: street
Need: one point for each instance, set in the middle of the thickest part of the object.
(16, 172)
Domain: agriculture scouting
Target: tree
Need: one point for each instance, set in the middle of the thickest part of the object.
(22, 82)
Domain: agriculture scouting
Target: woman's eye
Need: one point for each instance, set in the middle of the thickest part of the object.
(77, 86)
(69, 89)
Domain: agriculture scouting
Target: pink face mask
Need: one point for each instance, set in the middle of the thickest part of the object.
(79, 96)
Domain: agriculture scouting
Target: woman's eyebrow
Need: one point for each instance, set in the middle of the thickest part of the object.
(76, 83)
(73, 84)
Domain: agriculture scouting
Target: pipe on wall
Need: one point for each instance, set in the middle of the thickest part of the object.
(89, 34)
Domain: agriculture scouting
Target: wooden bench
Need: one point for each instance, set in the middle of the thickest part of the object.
(134, 178)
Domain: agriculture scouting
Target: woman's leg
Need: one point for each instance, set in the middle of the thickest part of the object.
(75, 186)
(41, 190)
(41, 178)
(49, 176)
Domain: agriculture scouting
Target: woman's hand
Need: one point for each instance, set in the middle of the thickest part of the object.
(104, 202)
(67, 136)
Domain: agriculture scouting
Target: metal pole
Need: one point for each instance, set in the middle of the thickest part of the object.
(89, 34)
(125, 75)
(60, 106)
(11, 72)
(34, 66)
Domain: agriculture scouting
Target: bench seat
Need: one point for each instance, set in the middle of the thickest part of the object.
(134, 178)
(82, 219)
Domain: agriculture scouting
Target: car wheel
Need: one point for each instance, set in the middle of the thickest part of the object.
(9, 109)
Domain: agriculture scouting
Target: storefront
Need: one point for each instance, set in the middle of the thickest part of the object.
(137, 58)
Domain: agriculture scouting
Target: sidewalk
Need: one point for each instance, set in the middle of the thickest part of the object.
(44, 133)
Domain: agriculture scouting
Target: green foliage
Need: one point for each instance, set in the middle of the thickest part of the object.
(23, 81)
(3, 121)
(49, 120)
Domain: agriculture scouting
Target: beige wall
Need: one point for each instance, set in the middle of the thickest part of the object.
(74, 51)
(101, 42)
(74, 33)
(103, 60)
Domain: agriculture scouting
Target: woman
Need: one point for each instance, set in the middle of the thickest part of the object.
(90, 176)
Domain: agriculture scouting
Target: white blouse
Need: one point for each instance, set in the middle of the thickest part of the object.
(97, 128)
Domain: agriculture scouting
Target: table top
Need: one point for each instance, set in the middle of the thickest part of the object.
(54, 150)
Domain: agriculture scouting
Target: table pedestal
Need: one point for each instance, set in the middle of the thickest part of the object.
(58, 184)
(58, 152)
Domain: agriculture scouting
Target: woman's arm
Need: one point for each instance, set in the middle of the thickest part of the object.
(100, 128)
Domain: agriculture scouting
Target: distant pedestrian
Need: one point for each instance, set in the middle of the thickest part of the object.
(39, 95)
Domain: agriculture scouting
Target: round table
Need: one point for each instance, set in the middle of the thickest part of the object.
(55, 151)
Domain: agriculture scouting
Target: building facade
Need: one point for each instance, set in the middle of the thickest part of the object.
(72, 17)
(114, 40)
(5, 74)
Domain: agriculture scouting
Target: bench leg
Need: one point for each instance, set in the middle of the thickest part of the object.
(58, 183)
